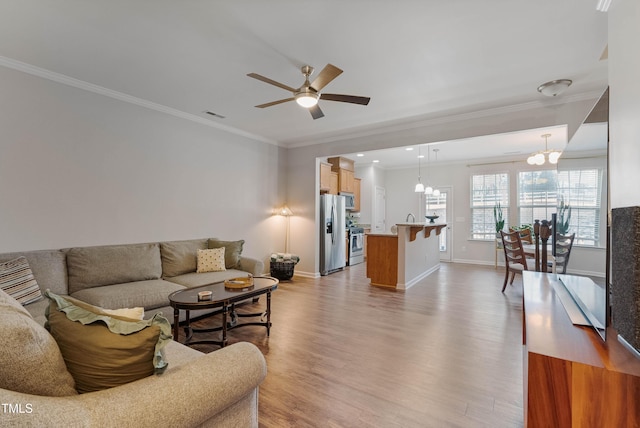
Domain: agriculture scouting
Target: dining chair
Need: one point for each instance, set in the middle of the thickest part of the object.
(525, 235)
(514, 256)
(564, 244)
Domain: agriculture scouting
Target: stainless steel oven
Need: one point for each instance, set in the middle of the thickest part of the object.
(356, 245)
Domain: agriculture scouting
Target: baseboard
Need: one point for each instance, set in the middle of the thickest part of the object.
(418, 278)
(477, 262)
(303, 274)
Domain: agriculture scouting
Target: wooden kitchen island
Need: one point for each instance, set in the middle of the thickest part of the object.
(401, 260)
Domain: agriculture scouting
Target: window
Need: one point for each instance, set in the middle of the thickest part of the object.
(486, 191)
(540, 193)
(582, 190)
(537, 195)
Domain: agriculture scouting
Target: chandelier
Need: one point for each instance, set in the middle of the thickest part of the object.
(540, 158)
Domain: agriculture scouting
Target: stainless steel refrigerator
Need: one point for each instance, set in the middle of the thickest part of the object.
(333, 247)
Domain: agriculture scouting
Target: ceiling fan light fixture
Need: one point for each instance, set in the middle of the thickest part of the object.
(306, 99)
(554, 87)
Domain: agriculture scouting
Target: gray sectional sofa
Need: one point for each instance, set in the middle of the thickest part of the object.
(123, 276)
(216, 389)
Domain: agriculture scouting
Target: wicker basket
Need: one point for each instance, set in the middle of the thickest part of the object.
(282, 270)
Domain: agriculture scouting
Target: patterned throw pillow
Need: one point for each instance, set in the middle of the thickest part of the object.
(16, 279)
(211, 260)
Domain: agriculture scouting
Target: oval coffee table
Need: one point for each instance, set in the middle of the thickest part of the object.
(226, 300)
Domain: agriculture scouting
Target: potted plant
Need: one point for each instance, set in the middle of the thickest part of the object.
(498, 218)
(564, 217)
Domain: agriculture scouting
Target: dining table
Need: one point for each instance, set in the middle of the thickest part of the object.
(530, 252)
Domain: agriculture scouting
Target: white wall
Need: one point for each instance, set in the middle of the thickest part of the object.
(78, 168)
(624, 104)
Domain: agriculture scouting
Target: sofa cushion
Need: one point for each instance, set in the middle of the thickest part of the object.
(179, 257)
(194, 279)
(101, 350)
(147, 294)
(211, 260)
(233, 251)
(97, 266)
(17, 280)
(30, 360)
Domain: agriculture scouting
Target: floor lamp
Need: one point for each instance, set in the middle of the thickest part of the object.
(286, 212)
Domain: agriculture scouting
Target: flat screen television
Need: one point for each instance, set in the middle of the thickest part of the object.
(591, 298)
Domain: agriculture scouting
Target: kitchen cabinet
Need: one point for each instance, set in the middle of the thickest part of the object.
(345, 181)
(344, 167)
(333, 188)
(325, 177)
(356, 194)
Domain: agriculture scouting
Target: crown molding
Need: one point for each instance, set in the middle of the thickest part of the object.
(100, 90)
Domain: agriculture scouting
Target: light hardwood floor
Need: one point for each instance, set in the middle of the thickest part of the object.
(445, 353)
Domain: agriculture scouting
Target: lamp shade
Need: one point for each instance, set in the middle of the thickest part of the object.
(419, 188)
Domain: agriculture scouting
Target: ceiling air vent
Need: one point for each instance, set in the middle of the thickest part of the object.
(219, 116)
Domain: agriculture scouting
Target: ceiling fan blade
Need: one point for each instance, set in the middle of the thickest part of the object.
(346, 98)
(271, 82)
(315, 111)
(273, 103)
(328, 73)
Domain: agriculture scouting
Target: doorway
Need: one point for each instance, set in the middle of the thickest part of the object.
(441, 206)
(379, 210)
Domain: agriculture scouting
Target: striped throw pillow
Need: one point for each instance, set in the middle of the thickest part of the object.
(16, 279)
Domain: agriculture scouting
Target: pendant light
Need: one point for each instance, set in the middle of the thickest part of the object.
(430, 190)
(540, 158)
(436, 192)
(419, 186)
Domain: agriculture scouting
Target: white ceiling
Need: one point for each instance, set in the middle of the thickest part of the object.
(414, 58)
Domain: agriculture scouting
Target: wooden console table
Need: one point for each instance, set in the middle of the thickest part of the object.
(571, 377)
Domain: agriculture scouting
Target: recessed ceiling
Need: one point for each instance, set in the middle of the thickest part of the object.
(415, 59)
(508, 147)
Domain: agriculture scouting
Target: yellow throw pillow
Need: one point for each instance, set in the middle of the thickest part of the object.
(211, 260)
(101, 350)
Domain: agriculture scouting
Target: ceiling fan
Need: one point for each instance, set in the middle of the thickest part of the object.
(308, 94)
